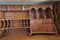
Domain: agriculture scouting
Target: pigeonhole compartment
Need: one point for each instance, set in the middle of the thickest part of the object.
(33, 14)
(49, 13)
(40, 13)
(15, 24)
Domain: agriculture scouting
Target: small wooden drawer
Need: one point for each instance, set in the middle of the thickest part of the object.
(3, 8)
(16, 15)
(14, 7)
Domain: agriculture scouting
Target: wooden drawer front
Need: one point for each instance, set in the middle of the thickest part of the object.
(50, 25)
(14, 8)
(3, 8)
(41, 26)
(16, 15)
(49, 21)
(36, 24)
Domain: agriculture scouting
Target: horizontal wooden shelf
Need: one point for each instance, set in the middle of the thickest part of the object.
(12, 28)
(15, 19)
(15, 11)
(43, 32)
(27, 18)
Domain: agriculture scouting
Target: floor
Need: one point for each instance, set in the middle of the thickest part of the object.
(23, 36)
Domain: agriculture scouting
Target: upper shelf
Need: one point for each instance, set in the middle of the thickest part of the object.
(24, 7)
